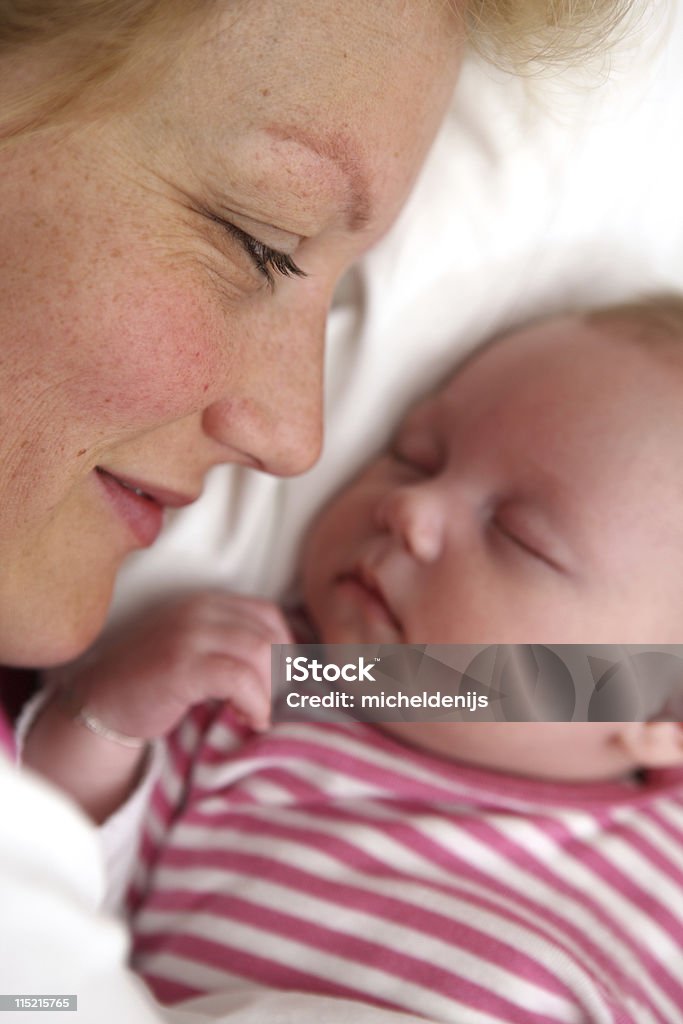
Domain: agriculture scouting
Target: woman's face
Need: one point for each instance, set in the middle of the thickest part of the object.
(147, 330)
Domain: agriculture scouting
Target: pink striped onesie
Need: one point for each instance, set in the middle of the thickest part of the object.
(332, 859)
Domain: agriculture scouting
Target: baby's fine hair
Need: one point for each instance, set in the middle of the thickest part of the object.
(83, 47)
(655, 322)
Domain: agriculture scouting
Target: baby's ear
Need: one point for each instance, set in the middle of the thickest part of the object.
(652, 744)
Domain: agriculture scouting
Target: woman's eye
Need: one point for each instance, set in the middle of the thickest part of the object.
(267, 261)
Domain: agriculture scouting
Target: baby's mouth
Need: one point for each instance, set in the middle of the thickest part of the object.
(365, 582)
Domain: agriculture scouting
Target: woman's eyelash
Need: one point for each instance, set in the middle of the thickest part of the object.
(265, 259)
(268, 260)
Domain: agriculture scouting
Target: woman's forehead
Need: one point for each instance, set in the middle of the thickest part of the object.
(359, 86)
(320, 53)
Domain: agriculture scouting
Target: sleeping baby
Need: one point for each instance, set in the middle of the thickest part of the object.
(463, 872)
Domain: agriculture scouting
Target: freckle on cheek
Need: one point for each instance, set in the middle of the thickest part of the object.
(164, 356)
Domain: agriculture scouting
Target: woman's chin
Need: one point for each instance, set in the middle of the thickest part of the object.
(53, 633)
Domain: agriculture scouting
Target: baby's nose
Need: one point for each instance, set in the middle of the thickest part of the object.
(413, 516)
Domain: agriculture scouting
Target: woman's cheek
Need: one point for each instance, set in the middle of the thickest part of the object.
(159, 359)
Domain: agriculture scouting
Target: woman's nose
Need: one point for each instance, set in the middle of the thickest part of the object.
(413, 514)
(272, 413)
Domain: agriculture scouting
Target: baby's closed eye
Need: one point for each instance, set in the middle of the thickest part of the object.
(519, 527)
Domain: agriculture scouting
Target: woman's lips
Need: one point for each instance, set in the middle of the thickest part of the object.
(365, 588)
(140, 506)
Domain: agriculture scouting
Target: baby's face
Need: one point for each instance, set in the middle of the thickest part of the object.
(536, 498)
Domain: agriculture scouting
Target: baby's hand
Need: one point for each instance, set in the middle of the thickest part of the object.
(212, 644)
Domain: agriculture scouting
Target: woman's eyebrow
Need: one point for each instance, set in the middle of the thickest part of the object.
(337, 148)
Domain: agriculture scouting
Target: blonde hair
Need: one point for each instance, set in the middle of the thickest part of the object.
(519, 34)
(56, 54)
(79, 47)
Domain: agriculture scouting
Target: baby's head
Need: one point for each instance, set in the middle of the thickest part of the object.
(537, 497)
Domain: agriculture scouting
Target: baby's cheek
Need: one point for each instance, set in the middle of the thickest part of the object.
(333, 532)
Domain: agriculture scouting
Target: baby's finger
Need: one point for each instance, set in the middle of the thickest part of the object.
(245, 642)
(253, 609)
(247, 691)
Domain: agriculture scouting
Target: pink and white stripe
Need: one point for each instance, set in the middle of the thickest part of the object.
(334, 860)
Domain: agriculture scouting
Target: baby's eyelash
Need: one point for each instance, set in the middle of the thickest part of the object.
(530, 549)
(424, 464)
(404, 460)
(265, 259)
(517, 540)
